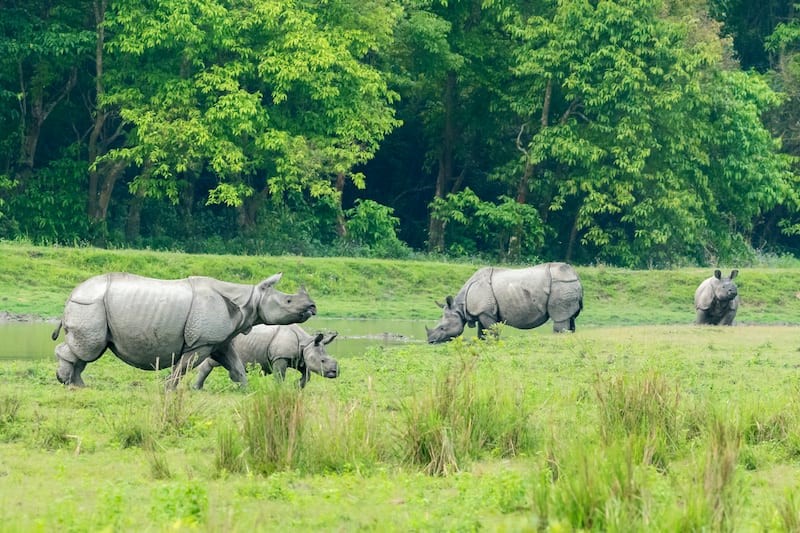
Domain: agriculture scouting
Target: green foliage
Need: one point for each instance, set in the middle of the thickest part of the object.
(514, 230)
(638, 141)
(53, 206)
(374, 227)
(228, 98)
(181, 504)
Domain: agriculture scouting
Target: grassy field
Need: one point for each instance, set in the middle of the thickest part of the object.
(37, 281)
(639, 421)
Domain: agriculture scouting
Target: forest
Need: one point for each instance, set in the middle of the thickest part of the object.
(634, 133)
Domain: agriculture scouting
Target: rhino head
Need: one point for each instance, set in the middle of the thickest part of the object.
(316, 357)
(276, 307)
(724, 288)
(450, 326)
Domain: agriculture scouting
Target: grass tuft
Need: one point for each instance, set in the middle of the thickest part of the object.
(273, 424)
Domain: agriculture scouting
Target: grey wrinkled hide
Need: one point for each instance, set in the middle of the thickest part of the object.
(716, 300)
(521, 298)
(276, 348)
(153, 323)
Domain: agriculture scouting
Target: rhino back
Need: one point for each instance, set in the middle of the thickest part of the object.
(522, 295)
(255, 346)
(146, 318)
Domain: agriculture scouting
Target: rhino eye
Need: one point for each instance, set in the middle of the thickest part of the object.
(288, 300)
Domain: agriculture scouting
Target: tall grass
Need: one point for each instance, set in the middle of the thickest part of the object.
(645, 407)
(460, 418)
(273, 424)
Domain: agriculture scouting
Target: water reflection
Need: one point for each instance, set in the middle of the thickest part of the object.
(32, 340)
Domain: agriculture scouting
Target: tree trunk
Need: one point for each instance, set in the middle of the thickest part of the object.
(515, 242)
(341, 227)
(436, 226)
(102, 177)
(247, 216)
(573, 237)
(133, 225)
(37, 111)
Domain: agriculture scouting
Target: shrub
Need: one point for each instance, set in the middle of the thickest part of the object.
(373, 227)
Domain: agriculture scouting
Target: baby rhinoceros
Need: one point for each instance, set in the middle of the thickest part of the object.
(276, 348)
(717, 299)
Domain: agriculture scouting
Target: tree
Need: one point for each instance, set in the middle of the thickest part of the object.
(625, 132)
(265, 96)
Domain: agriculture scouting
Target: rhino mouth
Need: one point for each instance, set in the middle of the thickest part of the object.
(332, 373)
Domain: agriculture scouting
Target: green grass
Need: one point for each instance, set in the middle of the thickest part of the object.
(639, 421)
(645, 428)
(38, 280)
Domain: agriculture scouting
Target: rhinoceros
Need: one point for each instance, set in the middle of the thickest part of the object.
(717, 299)
(276, 348)
(522, 298)
(153, 323)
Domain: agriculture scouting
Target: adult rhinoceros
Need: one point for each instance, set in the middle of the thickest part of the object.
(153, 323)
(717, 299)
(522, 298)
(276, 348)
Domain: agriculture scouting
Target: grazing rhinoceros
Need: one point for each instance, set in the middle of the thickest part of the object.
(717, 299)
(153, 323)
(276, 348)
(522, 298)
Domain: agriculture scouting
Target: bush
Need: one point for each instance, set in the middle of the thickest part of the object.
(373, 227)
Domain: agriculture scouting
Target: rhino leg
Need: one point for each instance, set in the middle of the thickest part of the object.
(703, 317)
(186, 361)
(306, 375)
(203, 371)
(727, 318)
(233, 364)
(69, 366)
(485, 322)
(279, 369)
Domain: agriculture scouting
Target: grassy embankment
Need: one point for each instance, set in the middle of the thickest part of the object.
(660, 427)
(37, 280)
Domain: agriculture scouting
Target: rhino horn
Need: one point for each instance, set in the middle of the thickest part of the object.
(427, 330)
(439, 305)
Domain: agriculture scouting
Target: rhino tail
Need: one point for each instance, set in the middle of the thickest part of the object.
(56, 331)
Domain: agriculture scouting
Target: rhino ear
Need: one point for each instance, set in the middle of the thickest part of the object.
(734, 273)
(329, 339)
(449, 301)
(718, 273)
(270, 281)
(318, 339)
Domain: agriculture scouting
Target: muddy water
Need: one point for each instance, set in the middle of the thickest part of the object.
(32, 340)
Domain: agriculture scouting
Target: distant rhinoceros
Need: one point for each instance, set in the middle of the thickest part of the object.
(153, 323)
(522, 298)
(717, 299)
(276, 348)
